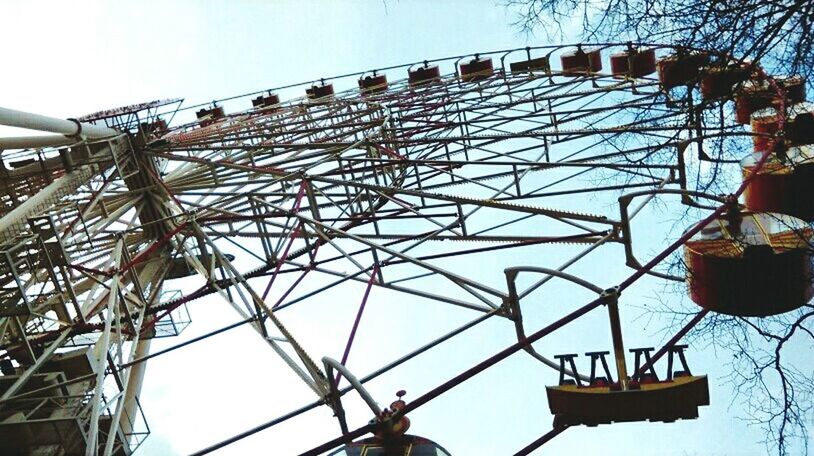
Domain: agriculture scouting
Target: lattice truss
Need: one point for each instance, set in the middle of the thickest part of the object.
(273, 207)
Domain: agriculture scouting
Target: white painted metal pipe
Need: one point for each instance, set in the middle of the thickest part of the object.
(67, 127)
(35, 142)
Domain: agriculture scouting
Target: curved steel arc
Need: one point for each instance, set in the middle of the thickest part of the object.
(517, 316)
(336, 397)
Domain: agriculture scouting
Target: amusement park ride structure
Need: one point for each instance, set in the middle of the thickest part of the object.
(365, 186)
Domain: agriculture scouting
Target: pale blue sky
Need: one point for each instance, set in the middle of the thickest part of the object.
(69, 58)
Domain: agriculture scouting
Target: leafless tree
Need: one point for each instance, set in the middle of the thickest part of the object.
(778, 33)
(769, 358)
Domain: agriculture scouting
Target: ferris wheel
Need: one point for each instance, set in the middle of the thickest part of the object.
(468, 183)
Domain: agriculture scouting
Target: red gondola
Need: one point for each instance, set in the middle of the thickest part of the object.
(209, 116)
(752, 97)
(633, 63)
(476, 69)
(373, 84)
(266, 101)
(319, 91)
(720, 81)
(765, 125)
(156, 128)
(751, 264)
(580, 62)
(680, 69)
(784, 184)
(423, 75)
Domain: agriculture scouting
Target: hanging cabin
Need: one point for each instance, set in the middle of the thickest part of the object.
(580, 62)
(322, 90)
(751, 264)
(633, 63)
(784, 184)
(681, 69)
(476, 69)
(423, 75)
(372, 84)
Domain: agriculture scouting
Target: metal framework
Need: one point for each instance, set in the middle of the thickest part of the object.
(275, 206)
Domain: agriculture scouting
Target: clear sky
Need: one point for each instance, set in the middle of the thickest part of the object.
(66, 59)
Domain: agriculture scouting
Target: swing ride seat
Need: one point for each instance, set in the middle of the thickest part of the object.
(665, 401)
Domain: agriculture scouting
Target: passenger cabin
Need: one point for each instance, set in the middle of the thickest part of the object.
(580, 62)
(406, 445)
(795, 87)
(751, 264)
(322, 90)
(266, 101)
(719, 81)
(476, 69)
(751, 97)
(423, 75)
(633, 63)
(758, 95)
(765, 124)
(209, 116)
(784, 184)
(371, 84)
(681, 69)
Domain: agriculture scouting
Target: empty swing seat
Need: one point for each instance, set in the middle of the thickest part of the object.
(666, 401)
(647, 398)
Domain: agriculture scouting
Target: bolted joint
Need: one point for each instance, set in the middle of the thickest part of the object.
(610, 295)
